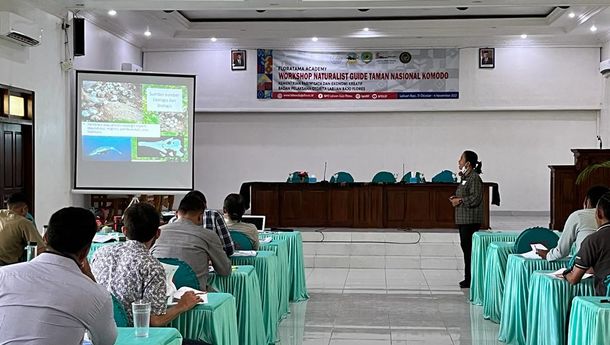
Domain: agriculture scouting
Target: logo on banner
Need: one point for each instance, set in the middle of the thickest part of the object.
(352, 58)
(366, 57)
(405, 57)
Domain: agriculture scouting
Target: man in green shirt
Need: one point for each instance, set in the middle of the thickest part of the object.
(16, 230)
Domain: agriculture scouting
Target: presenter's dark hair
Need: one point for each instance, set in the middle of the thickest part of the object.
(191, 203)
(199, 195)
(234, 206)
(141, 221)
(16, 199)
(71, 229)
(604, 205)
(595, 193)
(473, 158)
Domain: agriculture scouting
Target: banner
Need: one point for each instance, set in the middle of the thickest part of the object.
(358, 75)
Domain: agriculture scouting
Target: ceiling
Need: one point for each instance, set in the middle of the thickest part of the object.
(190, 24)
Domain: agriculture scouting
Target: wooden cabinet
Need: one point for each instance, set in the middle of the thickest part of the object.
(567, 196)
(357, 205)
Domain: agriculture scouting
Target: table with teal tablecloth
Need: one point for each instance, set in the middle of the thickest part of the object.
(589, 321)
(495, 269)
(548, 307)
(95, 246)
(280, 248)
(516, 288)
(243, 284)
(266, 266)
(480, 243)
(298, 286)
(214, 322)
(156, 336)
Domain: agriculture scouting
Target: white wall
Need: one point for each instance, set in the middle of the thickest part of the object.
(527, 113)
(38, 69)
(524, 78)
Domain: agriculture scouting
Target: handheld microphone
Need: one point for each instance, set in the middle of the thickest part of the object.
(599, 138)
(325, 164)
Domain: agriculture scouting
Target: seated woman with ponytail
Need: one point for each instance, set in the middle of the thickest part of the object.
(233, 211)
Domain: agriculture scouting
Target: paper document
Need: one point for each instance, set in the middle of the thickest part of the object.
(559, 274)
(266, 240)
(532, 253)
(202, 294)
(244, 253)
(103, 238)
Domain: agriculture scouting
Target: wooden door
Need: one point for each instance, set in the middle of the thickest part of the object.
(11, 156)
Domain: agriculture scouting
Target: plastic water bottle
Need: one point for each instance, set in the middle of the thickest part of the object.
(31, 250)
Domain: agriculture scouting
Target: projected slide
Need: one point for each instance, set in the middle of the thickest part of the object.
(124, 121)
(134, 131)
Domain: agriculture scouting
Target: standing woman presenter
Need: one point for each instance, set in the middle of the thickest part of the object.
(468, 204)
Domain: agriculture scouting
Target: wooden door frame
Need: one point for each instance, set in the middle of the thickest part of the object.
(27, 124)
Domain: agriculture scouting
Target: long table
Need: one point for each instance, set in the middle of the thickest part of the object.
(358, 205)
(589, 321)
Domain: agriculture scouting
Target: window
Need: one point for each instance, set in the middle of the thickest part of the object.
(16, 105)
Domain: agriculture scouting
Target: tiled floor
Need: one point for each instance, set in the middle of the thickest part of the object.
(389, 288)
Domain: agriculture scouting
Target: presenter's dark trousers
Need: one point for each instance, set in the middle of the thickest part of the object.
(466, 232)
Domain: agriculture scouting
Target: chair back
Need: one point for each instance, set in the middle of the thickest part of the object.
(342, 177)
(413, 177)
(444, 176)
(242, 242)
(535, 235)
(184, 276)
(384, 177)
(120, 315)
(607, 284)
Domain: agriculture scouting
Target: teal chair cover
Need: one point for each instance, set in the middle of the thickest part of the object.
(535, 235)
(384, 177)
(242, 242)
(120, 315)
(184, 276)
(342, 177)
(418, 177)
(607, 284)
(444, 176)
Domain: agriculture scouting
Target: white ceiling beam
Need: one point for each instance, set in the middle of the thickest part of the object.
(306, 4)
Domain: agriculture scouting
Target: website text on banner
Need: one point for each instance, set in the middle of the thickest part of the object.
(358, 75)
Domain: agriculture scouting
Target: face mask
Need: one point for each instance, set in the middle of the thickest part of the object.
(463, 170)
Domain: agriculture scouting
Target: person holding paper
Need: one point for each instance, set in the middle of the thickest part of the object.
(595, 251)
(53, 298)
(186, 240)
(130, 273)
(468, 204)
(578, 226)
(233, 211)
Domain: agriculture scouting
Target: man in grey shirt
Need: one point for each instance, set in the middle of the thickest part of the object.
(53, 299)
(579, 225)
(187, 240)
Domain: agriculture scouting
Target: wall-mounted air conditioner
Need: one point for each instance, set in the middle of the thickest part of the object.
(18, 29)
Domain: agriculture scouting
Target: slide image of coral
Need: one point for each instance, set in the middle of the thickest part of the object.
(166, 148)
(174, 123)
(111, 102)
(106, 149)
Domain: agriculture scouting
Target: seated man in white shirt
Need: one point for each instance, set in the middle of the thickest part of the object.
(578, 226)
(53, 298)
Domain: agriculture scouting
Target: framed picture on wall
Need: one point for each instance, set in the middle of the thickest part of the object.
(238, 60)
(487, 57)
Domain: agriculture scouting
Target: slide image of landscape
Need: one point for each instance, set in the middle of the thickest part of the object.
(165, 148)
(106, 149)
(112, 102)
